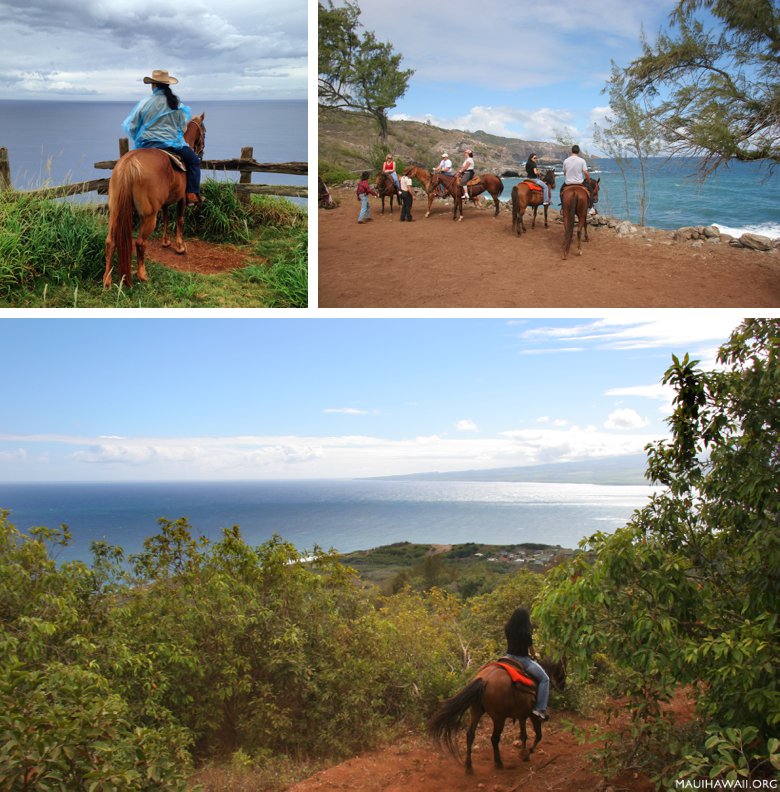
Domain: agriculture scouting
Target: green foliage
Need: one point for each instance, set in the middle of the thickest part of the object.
(52, 255)
(687, 594)
(221, 218)
(717, 82)
(357, 72)
(630, 133)
(46, 239)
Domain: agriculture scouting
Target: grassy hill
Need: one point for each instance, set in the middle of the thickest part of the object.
(349, 143)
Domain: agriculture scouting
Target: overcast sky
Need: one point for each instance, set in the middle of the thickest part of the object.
(102, 49)
(527, 70)
(197, 399)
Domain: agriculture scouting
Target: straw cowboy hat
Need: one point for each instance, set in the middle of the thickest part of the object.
(160, 76)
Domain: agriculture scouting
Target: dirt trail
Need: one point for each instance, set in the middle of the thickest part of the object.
(413, 764)
(203, 257)
(481, 263)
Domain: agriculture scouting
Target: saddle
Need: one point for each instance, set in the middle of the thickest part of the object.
(474, 182)
(532, 185)
(516, 672)
(176, 160)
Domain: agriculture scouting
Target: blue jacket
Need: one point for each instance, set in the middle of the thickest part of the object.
(153, 124)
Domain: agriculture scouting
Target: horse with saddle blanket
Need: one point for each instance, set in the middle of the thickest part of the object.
(503, 690)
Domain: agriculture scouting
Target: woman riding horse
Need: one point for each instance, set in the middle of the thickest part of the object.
(160, 122)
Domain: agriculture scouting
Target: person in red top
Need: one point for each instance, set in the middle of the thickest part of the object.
(389, 167)
(364, 189)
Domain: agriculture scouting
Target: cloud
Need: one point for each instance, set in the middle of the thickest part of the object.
(675, 331)
(338, 456)
(466, 425)
(349, 411)
(236, 47)
(625, 418)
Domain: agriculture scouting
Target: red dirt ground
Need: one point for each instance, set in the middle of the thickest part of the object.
(480, 263)
(413, 764)
(201, 257)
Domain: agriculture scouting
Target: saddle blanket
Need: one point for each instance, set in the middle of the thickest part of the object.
(176, 160)
(532, 185)
(515, 675)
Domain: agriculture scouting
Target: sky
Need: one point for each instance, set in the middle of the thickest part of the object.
(528, 70)
(102, 49)
(295, 398)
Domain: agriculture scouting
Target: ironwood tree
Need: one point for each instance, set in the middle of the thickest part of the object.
(714, 78)
(356, 71)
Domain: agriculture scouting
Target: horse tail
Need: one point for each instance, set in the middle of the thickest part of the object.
(500, 185)
(121, 211)
(446, 721)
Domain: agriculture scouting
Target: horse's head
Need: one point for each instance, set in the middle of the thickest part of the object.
(195, 136)
(556, 670)
(549, 177)
(594, 183)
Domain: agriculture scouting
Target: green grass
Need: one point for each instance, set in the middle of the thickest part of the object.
(52, 256)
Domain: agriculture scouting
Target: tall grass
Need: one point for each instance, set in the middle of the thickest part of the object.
(284, 242)
(52, 254)
(47, 239)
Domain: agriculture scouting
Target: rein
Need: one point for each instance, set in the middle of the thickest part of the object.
(200, 140)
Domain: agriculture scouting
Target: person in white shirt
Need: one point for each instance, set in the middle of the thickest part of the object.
(575, 171)
(466, 172)
(445, 166)
(406, 198)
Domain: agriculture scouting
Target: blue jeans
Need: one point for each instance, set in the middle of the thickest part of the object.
(536, 672)
(192, 161)
(545, 187)
(365, 209)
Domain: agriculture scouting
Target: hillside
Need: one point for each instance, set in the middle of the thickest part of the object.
(351, 141)
(612, 470)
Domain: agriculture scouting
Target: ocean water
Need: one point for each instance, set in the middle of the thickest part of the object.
(738, 198)
(344, 515)
(54, 142)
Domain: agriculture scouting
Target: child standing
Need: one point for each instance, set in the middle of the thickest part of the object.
(364, 189)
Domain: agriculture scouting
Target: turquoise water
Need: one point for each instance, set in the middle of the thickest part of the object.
(738, 198)
(345, 515)
(57, 142)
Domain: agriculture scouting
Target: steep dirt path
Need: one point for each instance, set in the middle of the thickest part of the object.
(413, 764)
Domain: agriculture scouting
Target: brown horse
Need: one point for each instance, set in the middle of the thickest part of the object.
(385, 186)
(485, 182)
(575, 200)
(452, 186)
(523, 196)
(146, 180)
(493, 692)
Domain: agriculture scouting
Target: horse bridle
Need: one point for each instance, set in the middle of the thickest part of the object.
(201, 137)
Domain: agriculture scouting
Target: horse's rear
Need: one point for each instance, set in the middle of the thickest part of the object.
(575, 201)
(492, 692)
(145, 181)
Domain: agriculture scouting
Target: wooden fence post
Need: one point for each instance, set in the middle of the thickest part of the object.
(246, 175)
(124, 147)
(5, 170)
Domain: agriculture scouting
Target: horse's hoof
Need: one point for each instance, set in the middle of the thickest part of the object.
(181, 251)
(166, 243)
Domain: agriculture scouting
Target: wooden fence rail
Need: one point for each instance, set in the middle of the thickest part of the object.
(246, 165)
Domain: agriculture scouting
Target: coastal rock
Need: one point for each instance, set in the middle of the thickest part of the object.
(688, 232)
(756, 242)
(625, 228)
(711, 232)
